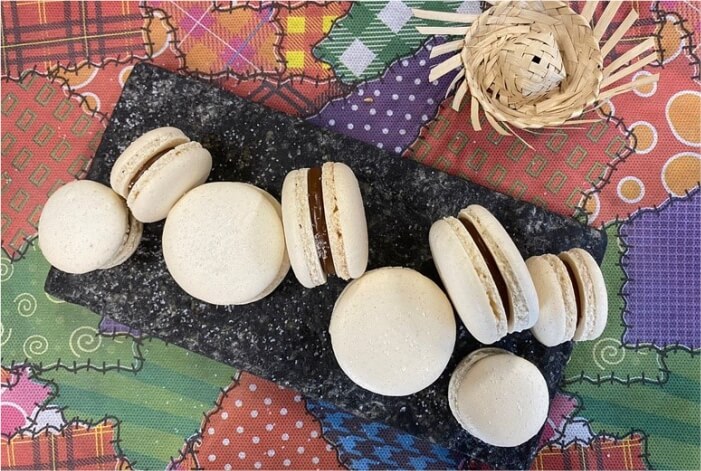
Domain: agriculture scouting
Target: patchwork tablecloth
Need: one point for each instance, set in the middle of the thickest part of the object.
(80, 391)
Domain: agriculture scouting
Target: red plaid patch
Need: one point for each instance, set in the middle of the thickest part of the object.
(601, 453)
(75, 447)
(296, 96)
(43, 33)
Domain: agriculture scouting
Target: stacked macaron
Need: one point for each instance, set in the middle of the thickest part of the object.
(325, 226)
(85, 226)
(572, 297)
(223, 243)
(392, 331)
(498, 397)
(157, 169)
(484, 274)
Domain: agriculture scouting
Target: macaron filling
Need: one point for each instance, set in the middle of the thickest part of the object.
(318, 217)
(575, 286)
(491, 262)
(147, 165)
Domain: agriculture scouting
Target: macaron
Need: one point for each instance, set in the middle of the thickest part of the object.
(498, 397)
(85, 226)
(573, 297)
(223, 243)
(157, 169)
(557, 320)
(325, 226)
(392, 331)
(484, 274)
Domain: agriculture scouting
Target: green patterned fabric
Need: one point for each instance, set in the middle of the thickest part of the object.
(374, 34)
(157, 407)
(48, 333)
(668, 413)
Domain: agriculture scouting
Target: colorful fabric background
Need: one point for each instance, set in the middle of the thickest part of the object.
(80, 391)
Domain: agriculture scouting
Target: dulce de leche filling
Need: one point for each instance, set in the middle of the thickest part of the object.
(318, 215)
(575, 285)
(491, 264)
(147, 166)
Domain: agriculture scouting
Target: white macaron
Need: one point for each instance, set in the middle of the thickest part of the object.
(484, 274)
(392, 331)
(557, 320)
(572, 295)
(325, 226)
(157, 169)
(223, 243)
(498, 397)
(85, 226)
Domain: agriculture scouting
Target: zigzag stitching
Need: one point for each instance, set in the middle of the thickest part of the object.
(661, 20)
(622, 293)
(75, 67)
(190, 443)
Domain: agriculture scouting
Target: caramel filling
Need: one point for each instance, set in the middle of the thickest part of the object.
(147, 166)
(491, 264)
(318, 215)
(575, 285)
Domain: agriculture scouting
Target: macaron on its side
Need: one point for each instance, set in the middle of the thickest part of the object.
(557, 320)
(154, 192)
(299, 234)
(522, 311)
(590, 291)
(223, 243)
(498, 397)
(392, 331)
(345, 220)
(82, 227)
(131, 243)
(467, 280)
(139, 152)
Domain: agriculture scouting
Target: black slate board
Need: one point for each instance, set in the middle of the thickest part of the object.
(284, 337)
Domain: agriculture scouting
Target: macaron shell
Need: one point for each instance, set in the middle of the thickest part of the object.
(131, 243)
(558, 310)
(522, 293)
(82, 226)
(223, 243)
(285, 266)
(299, 235)
(345, 220)
(458, 376)
(167, 180)
(467, 280)
(593, 294)
(501, 399)
(141, 151)
(392, 331)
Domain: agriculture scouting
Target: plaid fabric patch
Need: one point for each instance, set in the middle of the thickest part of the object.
(296, 96)
(44, 33)
(374, 34)
(242, 41)
(602, 453)
(303, 28)
(75, 447)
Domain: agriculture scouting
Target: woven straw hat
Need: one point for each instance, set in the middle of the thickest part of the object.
(534, 64)
(511, 50)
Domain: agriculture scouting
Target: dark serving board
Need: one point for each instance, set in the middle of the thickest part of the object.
(284, 337)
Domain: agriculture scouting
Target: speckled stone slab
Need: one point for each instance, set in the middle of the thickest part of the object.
(284, 336)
